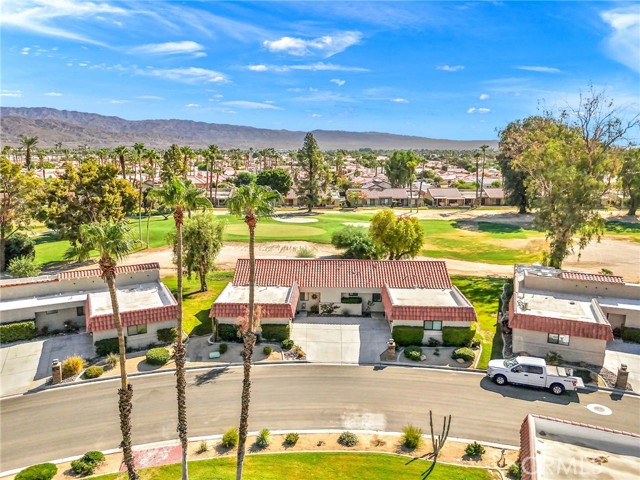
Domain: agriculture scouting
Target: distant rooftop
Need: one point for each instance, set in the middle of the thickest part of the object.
(130, 298)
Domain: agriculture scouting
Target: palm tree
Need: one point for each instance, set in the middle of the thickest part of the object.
(177, 194)
(139, 148)
(113, 242)
(41, 154)
(484, 157)
(250, 201)
(194, 198)
(28, 143)
(121, 152)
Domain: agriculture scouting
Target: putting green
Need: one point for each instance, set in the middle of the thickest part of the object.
(275, 230)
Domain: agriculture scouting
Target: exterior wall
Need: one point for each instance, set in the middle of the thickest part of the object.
(334, 295)
(56, 321)
(137, 341)
(234, 320)
(579, 287)
(579, 349)
(427, 334)
(619, 316)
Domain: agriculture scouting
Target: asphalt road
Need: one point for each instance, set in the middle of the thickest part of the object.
(70, 421)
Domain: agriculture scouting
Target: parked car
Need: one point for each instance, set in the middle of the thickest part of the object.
(534, 372)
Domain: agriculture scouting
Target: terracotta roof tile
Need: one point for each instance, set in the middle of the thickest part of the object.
(425, 312)
(590, 277)
(136, 317)
(95, 272)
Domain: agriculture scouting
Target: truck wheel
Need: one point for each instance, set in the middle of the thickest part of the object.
(500, 380)
(557, 389)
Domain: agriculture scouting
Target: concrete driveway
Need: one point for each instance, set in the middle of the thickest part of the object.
(619, 352)
(26, 365)
(341, 339)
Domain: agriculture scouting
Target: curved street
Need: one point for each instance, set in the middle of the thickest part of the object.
(63, 422)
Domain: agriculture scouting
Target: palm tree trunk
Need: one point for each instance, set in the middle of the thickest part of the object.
(140, 198)
(148, 222)
(215, 196)
(482, 177)
(125, 392)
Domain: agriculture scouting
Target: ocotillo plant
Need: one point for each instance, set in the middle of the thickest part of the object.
(439, 442)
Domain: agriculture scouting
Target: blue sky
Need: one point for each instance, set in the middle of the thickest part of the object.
(456, 70)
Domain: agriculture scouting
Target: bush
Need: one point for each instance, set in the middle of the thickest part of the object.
(93, 372)
(19, 245)
(405, 336)
(203, 447)
(348, 439)
(267, 350)
(553, 358)
(72, 366)
(23, 267)
(291, 439)
(228, 332)
(112, 360)
(107, 346)
(275, 333)
(287, 344)
(411, 437)
(306, 252)
(43, 471)
(474, 450)
(433, 342)
(167, 335)
(230, 438)
(413, 353)
(464, 353)
(88, 463)
(356, 243)
(631, 334)
(475, 343)
(12, 332)
(457, 336)
(264, 438)
(223, 348)
(351, 300)
(158, 356)
(514, 471)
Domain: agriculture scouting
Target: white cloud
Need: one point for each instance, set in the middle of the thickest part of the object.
(192, 105)
(622, 44)
(450, 68)
(338, 82)
(187, 75)
(484, 110)
(11, 93)
(399, 100)
(316, 115)
(325, 46)
(53, 94)
(313, 67)
(171, 48)
(25, 50)
(478, 110)
(320, 96)
(119, 102)
(251, 105)
(484, 96)
(539, 69)
(150, 97)
(258, 68)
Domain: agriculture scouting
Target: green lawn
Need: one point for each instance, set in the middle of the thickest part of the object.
(312, 466)
(484, 294)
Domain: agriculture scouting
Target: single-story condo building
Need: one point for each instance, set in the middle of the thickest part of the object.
(570, 313)
(80, 299)
(408, 293)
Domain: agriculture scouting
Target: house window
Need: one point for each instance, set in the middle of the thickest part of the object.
(79, 311)
(137, 329)
(376, 298)
(304, 296)
(433, 325)
(558, 339)
(51, 312)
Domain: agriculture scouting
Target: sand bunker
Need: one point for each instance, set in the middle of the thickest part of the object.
(295, 219)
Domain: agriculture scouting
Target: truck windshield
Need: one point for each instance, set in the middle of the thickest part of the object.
(510, 363)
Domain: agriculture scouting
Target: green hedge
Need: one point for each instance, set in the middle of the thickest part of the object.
(630, 334)
(464, 353)
(458, 336)
(351, 300)
(43, 471)
(12, 332)
(107, 346)
(167, 335)
(94, 371)
(228, 333)
(405, 336)
(274, 332)
(158, 356)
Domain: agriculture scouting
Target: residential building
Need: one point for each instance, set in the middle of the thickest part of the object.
(493, 196)
(444, 197)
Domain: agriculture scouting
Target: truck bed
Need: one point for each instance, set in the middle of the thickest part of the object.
(558, 371)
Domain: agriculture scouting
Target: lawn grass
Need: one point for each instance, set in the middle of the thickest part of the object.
(312, 466)
(196, 305)
(484, 294)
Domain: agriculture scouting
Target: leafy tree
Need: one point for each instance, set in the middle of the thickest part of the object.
(630, 178)
(19, 245)
(356, 197)
(85, 194)
(356, 242)
(23, 267)
(19, 200)
(244, 178)
(113, 242)
(314, 172)
(28, 143)
(172, 164)
(400, 168)
(396, 237)
(276, 179)
(251, 202)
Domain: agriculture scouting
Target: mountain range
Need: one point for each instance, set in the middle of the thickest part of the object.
(70, 128)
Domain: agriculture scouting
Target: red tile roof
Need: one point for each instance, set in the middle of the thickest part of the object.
(590, 277)
(339, 273)
(135, 317)
(267, 310)
(425, 312)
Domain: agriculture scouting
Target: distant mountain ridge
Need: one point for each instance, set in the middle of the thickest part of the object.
(71, 128)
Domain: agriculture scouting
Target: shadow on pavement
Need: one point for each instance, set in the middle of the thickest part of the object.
(210, 376)
(530, 394)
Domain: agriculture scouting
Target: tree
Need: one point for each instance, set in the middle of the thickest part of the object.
(630, 178)
(244, 178)
(113, 242)
(396, 237)
(356, 243)
(356, 196)
(251, 202)
(23, 267)
(314, 172)
(172, 164)
(19, 245)
(194, 198)
(201, 244)
(484, 159)
(121, 152)
(139, 149)
(211, 155)
(19, 200)
(400, 168)
(276, 179)
(28, 143)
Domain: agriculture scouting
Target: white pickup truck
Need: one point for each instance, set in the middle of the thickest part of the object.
(534, 372)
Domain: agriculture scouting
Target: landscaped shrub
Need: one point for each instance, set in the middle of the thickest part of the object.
(12, 332)
(287, 344)
(230, 438)
(464, 353)
(108, 345)
(351, 300)
(93, 372)
(553, 358)
(475, 343)
(228, 332)
(413, 353)
(88, 463)
(631, 334)
(306, 252)
(314, 309)
(291, 439)
(19, 245)
(274, 332)
(72, 366)
(514, 471)
(433, 342)
(167, 335)
(411, 437)
(23, 267)
(158, 356)
(264, 438)
(223, 348)
(112, 360)
(405, 336)
(43, 471)
(457, 336)
(267, 350)
(348, 439)
(203, 447)
(474, 450)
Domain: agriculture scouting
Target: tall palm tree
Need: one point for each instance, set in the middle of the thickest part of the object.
(484, 157)
(139, 149)
(113, 242)
(28, 143)
(194, 198)
(41, 154)
(250, 201)
(121, 152)
(177, 194)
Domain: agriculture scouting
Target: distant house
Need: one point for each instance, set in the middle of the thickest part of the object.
(445, 197)
(493, 196)
(386, 197)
